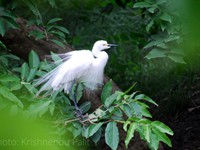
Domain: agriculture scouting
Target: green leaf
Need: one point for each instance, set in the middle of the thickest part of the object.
(140, 130)
(10, 96)
(37, 34)
(154, 142)
(1, 43)
(177, 51)
(162, 137)
(150, 24)
(152, 9)
(162, 127)
(32, 6)
(24, 71)
(12, 56)
(58, 43)
(52, 3)
(54, 20)
(130, 133)
(57, 60)
(145, 112)
(49, 27)
(4, 60)
(63, 29)
(112, 135)
(172, 38)
(162, 45)
(34, 61)
(133, 94)
(9, 78)
(40, 73)
(176, 58)
(156, 53)
(106, 92)
(127, 110)
(30, 88)
(142, 5)
(77, 129)
(127, 91)
(8, 14)
(146, 98)
(38, 22)
(15, 86)
(144, 109)
(136, 109)
(117, 112)
(11, 23)
(150, 44)
(58, 34)
(126, 125)
(92, 129)
(120, 95)
(85, 106)
(144, 121)
(109, 100)
(96, 137)
(31, 74)
(12, 82)
(2, 27)
(39, 108)
(147, 132)
(166, 17)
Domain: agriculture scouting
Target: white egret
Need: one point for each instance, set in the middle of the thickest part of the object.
(83, 66)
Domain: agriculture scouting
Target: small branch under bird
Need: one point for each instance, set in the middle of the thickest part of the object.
(82, 66)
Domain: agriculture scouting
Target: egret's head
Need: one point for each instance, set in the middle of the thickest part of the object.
(101, 45)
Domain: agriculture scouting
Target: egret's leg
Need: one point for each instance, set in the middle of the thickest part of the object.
(73, 96)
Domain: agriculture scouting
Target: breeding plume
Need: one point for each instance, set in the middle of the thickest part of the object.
(83, 66)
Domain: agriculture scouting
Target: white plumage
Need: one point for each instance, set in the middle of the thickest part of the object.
(79, 66)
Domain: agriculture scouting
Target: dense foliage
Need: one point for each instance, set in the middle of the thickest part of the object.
(18, 97)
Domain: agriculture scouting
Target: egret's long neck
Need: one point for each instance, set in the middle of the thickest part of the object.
(95, 51)
(101, 59)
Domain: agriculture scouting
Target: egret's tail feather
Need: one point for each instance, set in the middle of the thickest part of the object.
(46, 80)
(53, 81)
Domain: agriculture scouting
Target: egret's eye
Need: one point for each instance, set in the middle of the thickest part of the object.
(104, 44)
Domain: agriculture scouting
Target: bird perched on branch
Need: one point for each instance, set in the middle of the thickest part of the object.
(83, 66)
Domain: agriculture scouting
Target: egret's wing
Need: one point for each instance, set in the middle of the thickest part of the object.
(74, 68)
(96, 72)
(78, 68)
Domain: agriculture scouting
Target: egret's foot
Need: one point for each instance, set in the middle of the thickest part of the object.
(79, 113)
